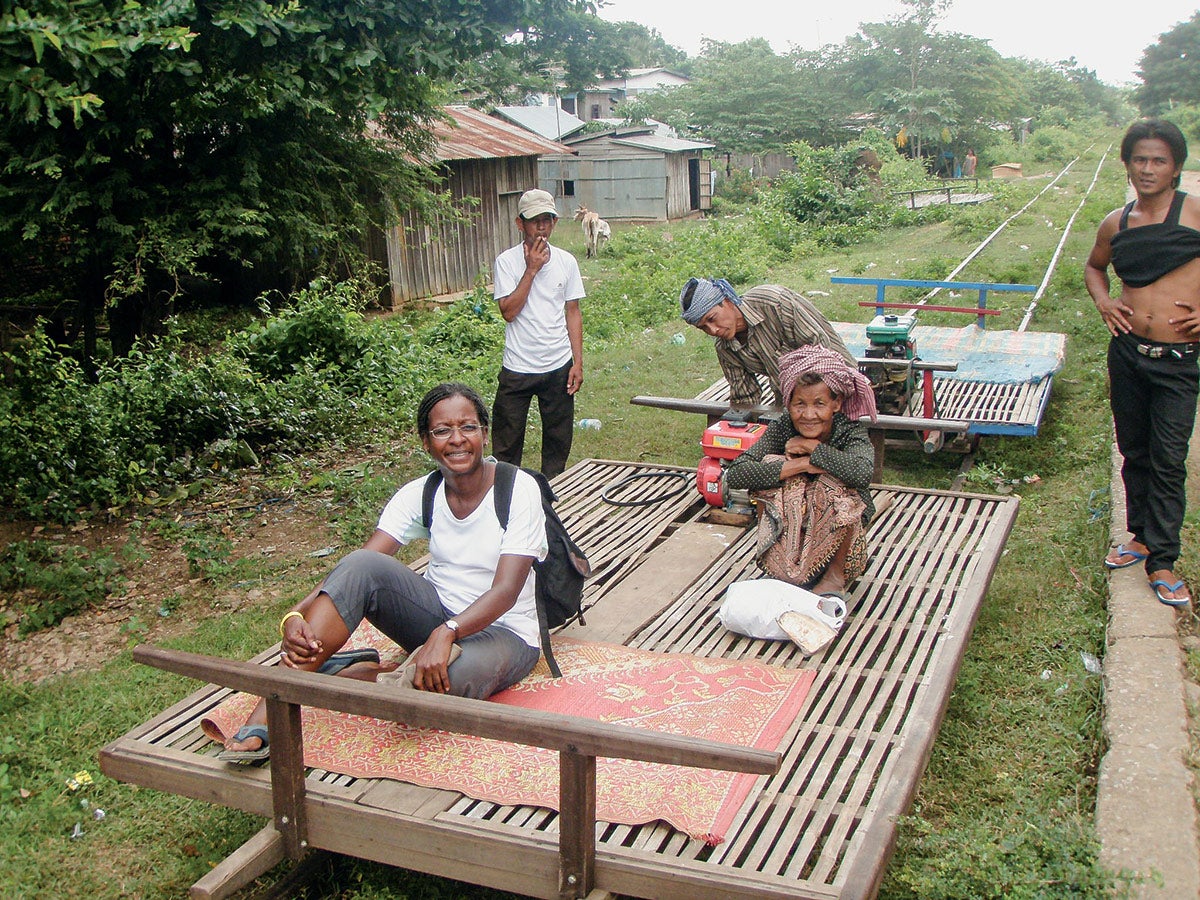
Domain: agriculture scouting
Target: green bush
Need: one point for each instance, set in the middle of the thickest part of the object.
(58, 448)
(738, 189)
(170, 413)
(321, 327)
(827, 189)
(52, 581)
(468, 330)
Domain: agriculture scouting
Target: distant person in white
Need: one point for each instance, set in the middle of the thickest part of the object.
(538, 288)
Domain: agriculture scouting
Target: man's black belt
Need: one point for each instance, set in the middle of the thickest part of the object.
(1155, 350)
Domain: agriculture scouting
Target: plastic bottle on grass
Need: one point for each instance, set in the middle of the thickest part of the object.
(588, 424)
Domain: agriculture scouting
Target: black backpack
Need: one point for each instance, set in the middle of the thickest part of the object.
(559, 577)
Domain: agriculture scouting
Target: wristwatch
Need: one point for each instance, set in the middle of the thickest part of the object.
(452, 624)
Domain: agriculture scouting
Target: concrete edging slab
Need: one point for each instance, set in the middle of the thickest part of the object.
(1145, 814)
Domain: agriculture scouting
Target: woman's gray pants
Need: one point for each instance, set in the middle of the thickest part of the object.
(370, 585)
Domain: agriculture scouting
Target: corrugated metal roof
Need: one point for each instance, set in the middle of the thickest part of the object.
(658, 127)
(481, 136)
(665, 144)
(548, 121)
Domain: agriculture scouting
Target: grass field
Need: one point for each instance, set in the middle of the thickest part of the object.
(1005, 808)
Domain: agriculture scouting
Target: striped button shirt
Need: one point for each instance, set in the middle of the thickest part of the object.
(777, 320)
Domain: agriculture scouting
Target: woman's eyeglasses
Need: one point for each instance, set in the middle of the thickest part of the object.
(443, 432)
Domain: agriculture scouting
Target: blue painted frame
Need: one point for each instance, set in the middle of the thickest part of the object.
(881, 285)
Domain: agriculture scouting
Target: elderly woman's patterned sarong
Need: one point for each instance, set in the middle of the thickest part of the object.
(801, 525)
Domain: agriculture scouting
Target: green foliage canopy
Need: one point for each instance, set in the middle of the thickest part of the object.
(1170, 69)
(146, 143)
(937, 88)
(744, 97)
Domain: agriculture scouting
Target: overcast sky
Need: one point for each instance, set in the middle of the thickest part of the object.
(1107, 39)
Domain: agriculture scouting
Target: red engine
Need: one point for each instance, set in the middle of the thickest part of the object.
(723, 440)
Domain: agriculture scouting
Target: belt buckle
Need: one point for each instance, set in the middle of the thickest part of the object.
(1150, 350)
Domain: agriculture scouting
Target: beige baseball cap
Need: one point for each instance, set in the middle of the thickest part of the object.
(535, 203)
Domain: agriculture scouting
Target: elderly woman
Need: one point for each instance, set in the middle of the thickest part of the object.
(811, 472)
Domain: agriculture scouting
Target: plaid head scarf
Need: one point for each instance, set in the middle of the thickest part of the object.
(839, 376)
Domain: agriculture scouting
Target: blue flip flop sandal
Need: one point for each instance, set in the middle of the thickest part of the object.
(242, 757)
(1122, 550)
(1160, 585)
(345, 658)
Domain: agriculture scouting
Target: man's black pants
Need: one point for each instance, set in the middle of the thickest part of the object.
(510, 412)
(1153, 390)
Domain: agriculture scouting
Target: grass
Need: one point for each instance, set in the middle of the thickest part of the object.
(1006, 805)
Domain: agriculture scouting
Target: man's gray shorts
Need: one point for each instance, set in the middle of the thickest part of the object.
(404, 606)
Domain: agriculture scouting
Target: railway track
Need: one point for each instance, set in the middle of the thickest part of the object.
(1030, 208)
(996, 239)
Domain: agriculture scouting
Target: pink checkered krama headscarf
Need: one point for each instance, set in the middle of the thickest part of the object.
(840, 377)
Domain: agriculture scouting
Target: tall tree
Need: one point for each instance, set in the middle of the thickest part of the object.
(570, 50)
(908, 90)
(745, 97)
(1170, 69)
(647, 48)
(149, 143)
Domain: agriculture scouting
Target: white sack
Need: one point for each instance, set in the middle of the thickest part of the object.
(752, 607)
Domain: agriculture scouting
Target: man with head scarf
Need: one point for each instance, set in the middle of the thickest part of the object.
(811, 474)
(752, 331)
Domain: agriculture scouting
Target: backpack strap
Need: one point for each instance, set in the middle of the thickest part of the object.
(427, 494)
(506, 475)
(502, 488)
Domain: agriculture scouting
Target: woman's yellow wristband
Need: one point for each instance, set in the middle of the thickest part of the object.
(283, 621)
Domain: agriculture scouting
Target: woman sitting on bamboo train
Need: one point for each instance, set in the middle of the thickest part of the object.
(470, 620)
(811, 474)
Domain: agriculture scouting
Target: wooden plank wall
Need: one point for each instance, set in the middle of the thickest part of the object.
(678, 186)
(429, 260)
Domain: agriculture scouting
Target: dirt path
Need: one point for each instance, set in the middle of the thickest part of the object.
(163, 596)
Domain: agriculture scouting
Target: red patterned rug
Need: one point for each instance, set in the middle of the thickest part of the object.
(740, 703)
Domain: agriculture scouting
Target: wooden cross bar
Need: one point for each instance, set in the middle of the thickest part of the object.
(578, 741)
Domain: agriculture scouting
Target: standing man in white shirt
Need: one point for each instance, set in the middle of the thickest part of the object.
(538, 288)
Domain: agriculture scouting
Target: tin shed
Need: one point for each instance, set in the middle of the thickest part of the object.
(631, 173)
(484, 158)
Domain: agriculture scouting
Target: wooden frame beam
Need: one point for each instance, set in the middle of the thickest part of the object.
(578, 740)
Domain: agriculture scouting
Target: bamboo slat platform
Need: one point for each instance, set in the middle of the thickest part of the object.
(987, 407)
(822, 827)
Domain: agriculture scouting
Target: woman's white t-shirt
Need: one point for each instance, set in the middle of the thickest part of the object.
(464, 553)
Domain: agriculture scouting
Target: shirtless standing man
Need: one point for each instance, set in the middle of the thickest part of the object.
(1153, 245)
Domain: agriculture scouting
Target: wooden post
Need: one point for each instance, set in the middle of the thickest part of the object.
(287, 775)
(576, 824)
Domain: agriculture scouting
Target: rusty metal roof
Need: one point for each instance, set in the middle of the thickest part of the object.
(476, 135)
